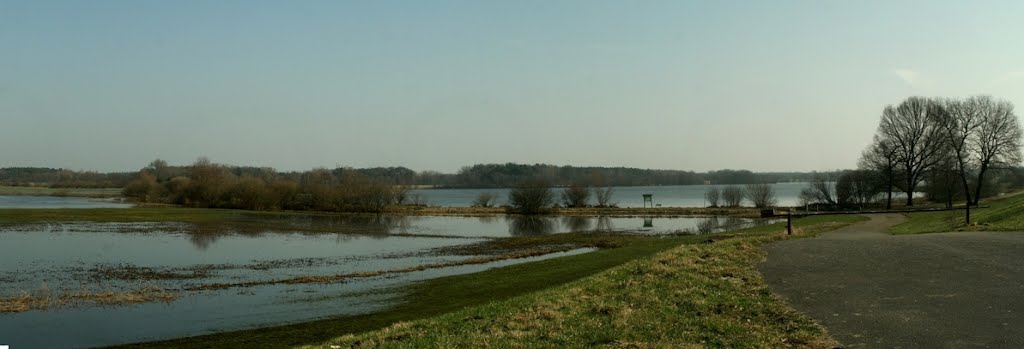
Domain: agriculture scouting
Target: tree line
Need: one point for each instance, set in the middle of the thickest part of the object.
(62, 178)
(477, 176)
(210, 185)
(950, 149)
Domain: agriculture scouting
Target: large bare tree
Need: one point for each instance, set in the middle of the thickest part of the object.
(916, 138)
(997, 141)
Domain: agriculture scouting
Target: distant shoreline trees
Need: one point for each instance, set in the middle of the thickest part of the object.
(209, 185)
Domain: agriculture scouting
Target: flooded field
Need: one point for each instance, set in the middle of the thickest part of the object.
(130, 282)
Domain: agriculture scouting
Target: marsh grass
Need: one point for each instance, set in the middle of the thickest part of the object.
(44, 298)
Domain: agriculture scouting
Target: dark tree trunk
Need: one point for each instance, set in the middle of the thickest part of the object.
(977, 189)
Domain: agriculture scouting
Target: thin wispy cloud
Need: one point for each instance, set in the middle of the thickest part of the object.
(1009, 77)
(911, 77)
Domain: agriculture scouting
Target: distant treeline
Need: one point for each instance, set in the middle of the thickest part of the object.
(63, 178)
(507, 175)
(206, 184)
(476, 176)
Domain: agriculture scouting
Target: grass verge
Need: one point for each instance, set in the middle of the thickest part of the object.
(696, 291)
(1003, 214)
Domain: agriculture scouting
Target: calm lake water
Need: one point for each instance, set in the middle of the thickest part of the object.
(19, 201)
(667, 196)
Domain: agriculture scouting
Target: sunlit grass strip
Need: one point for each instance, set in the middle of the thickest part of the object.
(692, 296)
(1003, 214)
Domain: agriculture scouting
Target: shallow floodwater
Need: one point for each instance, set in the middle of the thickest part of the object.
(500, 225)
(70, 257)
(59, 258)
(19, 201)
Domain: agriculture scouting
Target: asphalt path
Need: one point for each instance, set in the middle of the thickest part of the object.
(874, 290)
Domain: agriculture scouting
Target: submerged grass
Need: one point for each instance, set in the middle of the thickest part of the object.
(705, 293)
(1002, 214)
(45, 299)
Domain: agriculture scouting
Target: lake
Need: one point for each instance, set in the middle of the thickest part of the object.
(667, 196)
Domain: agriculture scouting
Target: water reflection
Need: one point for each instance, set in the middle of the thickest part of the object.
(487, 219)
(576, 223)
(648, 223)
(531, 225)
(604, 223)
(203, 236)
(708, 225)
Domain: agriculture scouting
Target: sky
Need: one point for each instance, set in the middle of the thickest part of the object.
(437, 85)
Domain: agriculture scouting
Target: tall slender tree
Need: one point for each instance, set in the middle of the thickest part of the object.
(997, 141)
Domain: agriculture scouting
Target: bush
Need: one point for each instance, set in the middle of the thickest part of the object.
(761, 195)
(485, 199)
(575, 196)
(732, 196)
(712, 195)
(531, 197)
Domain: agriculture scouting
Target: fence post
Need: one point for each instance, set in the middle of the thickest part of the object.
(789, 223)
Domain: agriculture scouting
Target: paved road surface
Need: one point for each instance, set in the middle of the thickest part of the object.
(873, 290)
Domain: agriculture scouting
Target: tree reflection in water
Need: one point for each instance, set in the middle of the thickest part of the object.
(576, 223)
(202, 236)
(526, 225)
(708, 225)
(604, 223)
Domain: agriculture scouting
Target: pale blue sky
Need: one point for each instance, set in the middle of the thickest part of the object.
(435, 85)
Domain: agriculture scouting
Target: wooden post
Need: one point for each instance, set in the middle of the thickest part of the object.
(789, 223)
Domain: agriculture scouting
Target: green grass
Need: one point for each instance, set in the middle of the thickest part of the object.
(47, 191)
(1003, 214)
(703, 291)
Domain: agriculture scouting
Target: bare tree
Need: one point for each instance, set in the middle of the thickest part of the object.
(575, 195)
(857, 188)
(712, 195)
(400, 194)
(998, 138)
(531, 197)
(821, 189)
(916, 138)
(732, 196)
(485, 199)
(602, 190)
(761, 195)
(959, 122)
(880, 159)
